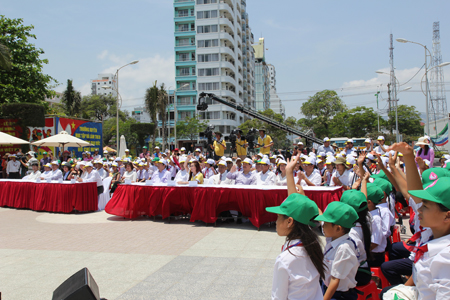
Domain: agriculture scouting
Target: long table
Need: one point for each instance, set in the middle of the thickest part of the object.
(52, 197)
(206, 202)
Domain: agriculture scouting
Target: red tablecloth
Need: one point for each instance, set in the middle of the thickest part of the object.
(52, 197)
(206, 203)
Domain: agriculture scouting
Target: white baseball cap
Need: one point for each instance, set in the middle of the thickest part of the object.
(88, 165)
(330, 160)
(156, 147)
(380, 138)
(310, 161)
(281, 162)
(228, 159)
(368, 141)
(322, 154)
(127, 150)
(247, 161)
(351, 160)
(299, 143)
(370, 156)
(222, 163)
(198, 150)
(182, 159)
(48, 165)
(327, 139)
(183, 149)
(55, 163)
(427, 162)
(114, 164)
(264, 161)
(349, 141)
(210, 161)
(105, 152)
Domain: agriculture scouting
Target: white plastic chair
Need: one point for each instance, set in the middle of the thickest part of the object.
(104, 197)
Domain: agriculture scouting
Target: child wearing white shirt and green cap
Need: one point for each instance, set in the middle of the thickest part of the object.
(341, 253)
(299, 267)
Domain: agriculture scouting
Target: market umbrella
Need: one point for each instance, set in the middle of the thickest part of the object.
(109, 149)
(62, 139)
(7, 139)
(123, 146)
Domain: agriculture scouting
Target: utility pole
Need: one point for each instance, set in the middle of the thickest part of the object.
(378, 110)
(389, 101)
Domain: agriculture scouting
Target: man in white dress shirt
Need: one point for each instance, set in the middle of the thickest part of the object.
(92, 176)
(265, 177)
(162, 175)
(13, 167)
(342, 177)
(99, 168)
(380, 149)
(56, 173)
(221, 177)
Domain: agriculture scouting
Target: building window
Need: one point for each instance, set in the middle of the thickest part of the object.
(207, 14)
(210, 115)
(208, 43)
(208, 57)
(208, 72)
(206, 1)
(209, 86)
(183, 13)
(207, 28)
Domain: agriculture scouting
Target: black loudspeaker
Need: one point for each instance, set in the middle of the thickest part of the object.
(79, 286)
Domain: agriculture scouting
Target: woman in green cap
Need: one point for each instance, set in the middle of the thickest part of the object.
(300, 266)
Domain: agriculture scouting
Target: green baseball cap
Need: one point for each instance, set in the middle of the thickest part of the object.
(145, 147)
(298, 207)
(447, 166)
(436, 192)
(380, 175)
(44, 153)
(383, 184)
(374, 193)
(340, 214)
(355, 199)
(430, 175)
(156, 159)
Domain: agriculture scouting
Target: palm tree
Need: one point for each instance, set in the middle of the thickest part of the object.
(151, 105)
(163, 102)
(71, 100)
(5, 57)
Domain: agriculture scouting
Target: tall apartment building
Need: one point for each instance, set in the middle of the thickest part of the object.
(103, 85)
(213, 54)
(275, 102)
(262, 81)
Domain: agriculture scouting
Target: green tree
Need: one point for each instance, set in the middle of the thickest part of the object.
(356, 122)
(319, 111)
(408, 120)
(98, 107)
(24, 81)
(142, 131)
(71, 99)
(109, 129)
(5, 57)
(151, 105)
(190, 128)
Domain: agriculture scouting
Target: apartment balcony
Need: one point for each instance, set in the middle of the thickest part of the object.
(184, 18)
(226, 7)
(227, 64)
(186, 77)
(186, 47)
(226, 21)
(190, 32)
(183, 63)
(183, 3)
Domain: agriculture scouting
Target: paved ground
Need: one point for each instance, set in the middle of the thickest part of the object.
(130, 260)
(142, 259)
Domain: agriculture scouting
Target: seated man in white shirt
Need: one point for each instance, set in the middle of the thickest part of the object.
(309, 177)
(342, 177)
(35, 174)
(47, 171)
(98, 165)
(162, 175)
(183, 174)
(92, 176)
(265, 177)
(55, 173)
(221, 177)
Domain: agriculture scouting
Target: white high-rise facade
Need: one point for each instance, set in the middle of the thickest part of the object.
(275, 102)
(104, 85)
(214, 54)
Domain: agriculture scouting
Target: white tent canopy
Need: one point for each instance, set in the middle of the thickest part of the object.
(123, 146)
(62, 139)
(6, 139)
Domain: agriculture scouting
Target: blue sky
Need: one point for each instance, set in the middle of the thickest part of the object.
(314, 45)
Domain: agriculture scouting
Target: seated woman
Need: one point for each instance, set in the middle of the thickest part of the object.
(129, 173)
(35, 174)
(115, 175)
(47, 172)
(76, 172)
(195, 173)
(67, 168)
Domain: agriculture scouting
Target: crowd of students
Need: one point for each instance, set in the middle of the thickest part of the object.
(359, 226)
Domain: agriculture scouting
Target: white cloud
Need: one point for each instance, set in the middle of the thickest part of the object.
(103, 55)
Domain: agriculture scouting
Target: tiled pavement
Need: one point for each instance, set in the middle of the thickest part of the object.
(141, 259)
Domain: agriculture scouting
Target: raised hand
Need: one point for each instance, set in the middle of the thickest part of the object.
(291, 165)
(392, 159)
(233, 169)
(402, 147)
(420, 162)
(361, 158)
